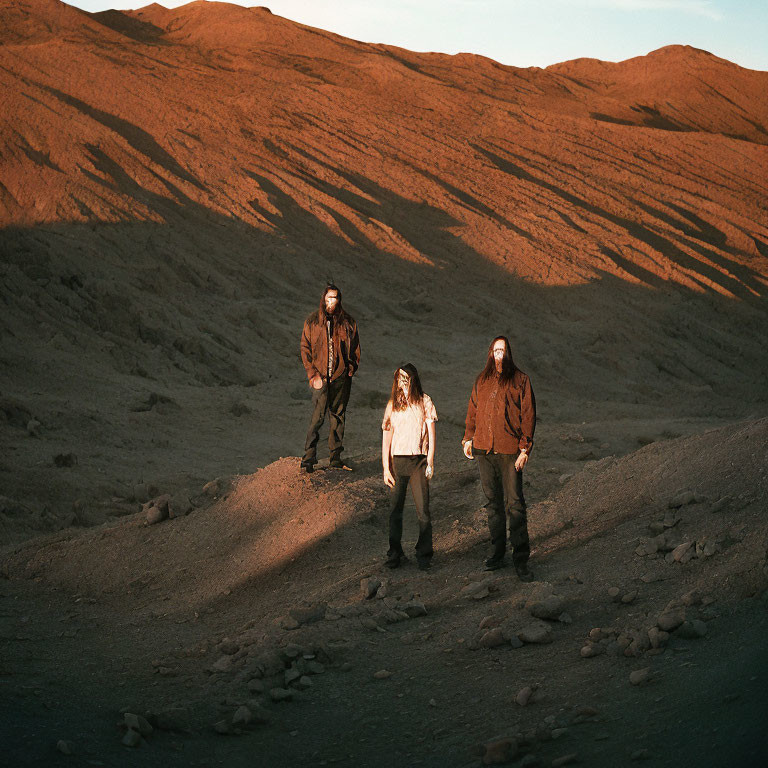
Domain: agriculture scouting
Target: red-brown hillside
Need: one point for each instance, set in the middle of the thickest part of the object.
(559, 175)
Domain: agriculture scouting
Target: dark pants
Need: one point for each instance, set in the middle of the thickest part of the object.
(410, 469)
(503, 487)
(332, 397)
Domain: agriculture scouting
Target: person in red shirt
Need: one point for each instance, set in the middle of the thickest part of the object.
(501, 419)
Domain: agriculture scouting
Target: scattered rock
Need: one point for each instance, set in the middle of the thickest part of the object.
(289, 623)
(33, 429)
(720, 504)
(304, 682)
(369, 587)
(280, 694)
(640, 676)
(536, 632)
(414, 608)
(477, 590)
(549, 608)
(492, 638)
(309, 614)
(629, 597)
(499, 752)
(671, 619)
(65, 747)
(137, 723)
(614, 593)
(684, 552)
(382, 674)
(180, 505)
(682, 499)
(524, 696)
(229, 647)
(131, 738)
(222, 664)
(315, 667)
(242, 716)
(592, 649)
(692, 629)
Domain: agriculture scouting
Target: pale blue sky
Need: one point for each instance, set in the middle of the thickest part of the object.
(527, 33)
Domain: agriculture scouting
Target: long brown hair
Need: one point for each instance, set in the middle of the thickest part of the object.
(341, 318)
(415, 392)
(508, 366)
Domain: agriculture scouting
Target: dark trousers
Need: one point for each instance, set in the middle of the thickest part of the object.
(503, 487)
(332, 398)
(410, 469)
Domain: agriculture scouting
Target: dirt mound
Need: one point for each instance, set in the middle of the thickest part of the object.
(249, 533)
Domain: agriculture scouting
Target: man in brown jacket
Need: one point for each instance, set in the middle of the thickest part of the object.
(330, 352)
(501, 419)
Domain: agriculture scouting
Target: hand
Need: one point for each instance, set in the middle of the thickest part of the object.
(317, 382)
(351, 371)
(389, 479)
(522, 460)
(468, 449)
(429, 472)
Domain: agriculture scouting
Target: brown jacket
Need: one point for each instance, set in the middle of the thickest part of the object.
(314, 348)
(501, 417)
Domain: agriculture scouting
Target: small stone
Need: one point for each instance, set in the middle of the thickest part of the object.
(280, 694)
(720, 504)
(656, 527)
(289, 623)
(131, 738)
(488, 622)
(477, 590)
(291, 675)
(222, 727)
(222, 664)
(565, 760)
(242, 716)
(639, 676)
(314, 667)
(596, 634)
(692, 629)
(304, 682)
(432, 703)
(137, 723)
(524, 696)
(499, 752)
(33, 429)
(548, 608)
(229, 647)
(308, 614)
(683, 553)
(368, 623)
(179, 505)
(629, 597)
(682, 499)
(492, 638)
(614, 593)
(592, 649)
(65, 747)
(670, 620)
(156, 514)
(414, 608)
(382, 674)
(536, 632)
(369, 587)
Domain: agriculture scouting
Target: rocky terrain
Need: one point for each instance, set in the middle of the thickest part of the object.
(176, 186)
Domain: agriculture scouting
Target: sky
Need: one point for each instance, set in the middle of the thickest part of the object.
(532, 33)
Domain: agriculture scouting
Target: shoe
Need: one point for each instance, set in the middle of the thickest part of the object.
(393, 561)
(494, 563)
(523, 573)
(425, 563)
(339, 464)
(307, 466)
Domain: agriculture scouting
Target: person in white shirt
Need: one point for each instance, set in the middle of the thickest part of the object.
(408, 456)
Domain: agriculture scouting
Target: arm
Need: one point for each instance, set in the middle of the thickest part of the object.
(306, 353)
(432, 434)
(386, 457)
(469, 429)
(354, 351)
(527, 423)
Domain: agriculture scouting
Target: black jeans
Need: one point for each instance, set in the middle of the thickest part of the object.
(405, 469)
(332, 397)
(503, 487)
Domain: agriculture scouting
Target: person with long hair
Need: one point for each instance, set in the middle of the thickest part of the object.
(501, 419)
(330, 352)
(408, 457)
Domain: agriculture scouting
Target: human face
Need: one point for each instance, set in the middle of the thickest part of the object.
(403, 382)
(331, 301)
(498, 351)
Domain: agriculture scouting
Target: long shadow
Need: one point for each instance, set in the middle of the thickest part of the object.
(735, 286)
